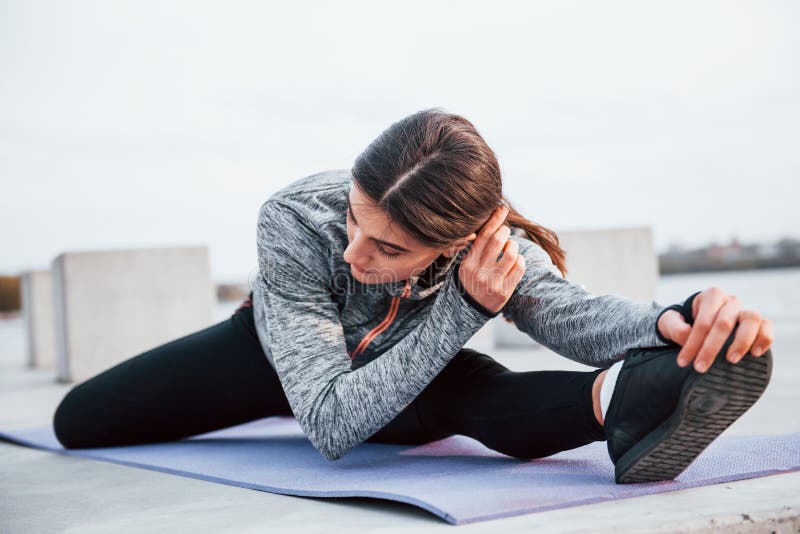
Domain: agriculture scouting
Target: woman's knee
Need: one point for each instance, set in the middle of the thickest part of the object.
(68, 420)
(79, 420)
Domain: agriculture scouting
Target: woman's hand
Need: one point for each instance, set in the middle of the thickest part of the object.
(489, 281)
(715, 316)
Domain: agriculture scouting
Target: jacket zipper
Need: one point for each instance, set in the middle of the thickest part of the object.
(383, 324)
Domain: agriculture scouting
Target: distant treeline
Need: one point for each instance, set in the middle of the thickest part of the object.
(736, 256)
(693, 264)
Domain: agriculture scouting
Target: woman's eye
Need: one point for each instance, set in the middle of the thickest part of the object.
(388, 254)
(380, 249)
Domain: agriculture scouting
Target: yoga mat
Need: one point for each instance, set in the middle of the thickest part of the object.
(456, 478)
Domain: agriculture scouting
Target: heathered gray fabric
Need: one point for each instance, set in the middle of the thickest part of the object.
(310, 313)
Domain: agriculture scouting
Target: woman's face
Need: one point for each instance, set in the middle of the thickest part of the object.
(378, 250)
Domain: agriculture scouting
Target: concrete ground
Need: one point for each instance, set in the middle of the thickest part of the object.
(46, 492)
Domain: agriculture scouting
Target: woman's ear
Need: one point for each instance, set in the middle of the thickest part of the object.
(452, 250)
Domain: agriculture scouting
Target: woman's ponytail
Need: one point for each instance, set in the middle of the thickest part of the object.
(545, 237)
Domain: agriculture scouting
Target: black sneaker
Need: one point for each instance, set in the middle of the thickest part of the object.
(662, 416)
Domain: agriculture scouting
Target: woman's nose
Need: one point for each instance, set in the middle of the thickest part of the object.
(356, 251)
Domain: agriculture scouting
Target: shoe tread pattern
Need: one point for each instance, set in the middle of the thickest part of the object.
(671, 447)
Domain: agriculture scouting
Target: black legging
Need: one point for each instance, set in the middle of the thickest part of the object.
(219, 377)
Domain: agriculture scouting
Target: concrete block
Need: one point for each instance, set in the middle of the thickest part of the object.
(619, 261)
(111, 305)
(37, 313)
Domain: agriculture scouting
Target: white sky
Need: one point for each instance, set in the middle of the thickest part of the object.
(127, 124)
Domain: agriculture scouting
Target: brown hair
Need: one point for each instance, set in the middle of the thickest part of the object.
(433, 174)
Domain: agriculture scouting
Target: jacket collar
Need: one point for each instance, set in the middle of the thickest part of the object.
(428, 281)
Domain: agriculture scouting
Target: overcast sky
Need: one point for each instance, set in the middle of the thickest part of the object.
(127, 124)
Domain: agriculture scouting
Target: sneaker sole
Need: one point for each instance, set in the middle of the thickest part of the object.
(709, 403)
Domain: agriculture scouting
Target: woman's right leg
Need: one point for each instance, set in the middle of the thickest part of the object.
(211, 379)
(530, 414)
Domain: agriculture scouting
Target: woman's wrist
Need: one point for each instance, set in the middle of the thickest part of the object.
(470, 300)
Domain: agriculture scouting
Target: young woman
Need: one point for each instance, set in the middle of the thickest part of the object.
(372, 279)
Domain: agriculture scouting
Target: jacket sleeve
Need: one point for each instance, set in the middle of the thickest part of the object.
(336, 407)
(595, 330)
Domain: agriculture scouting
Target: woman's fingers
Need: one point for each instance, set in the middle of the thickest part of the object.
(723, 325)
(509, 259)
(490, 227)
(716, 315)
(517, 270)
(495, 244)
(764, 339)
(708, 304)
(493, 267)
(746, 334)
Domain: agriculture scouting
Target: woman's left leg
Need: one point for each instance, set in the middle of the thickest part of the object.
(527, 415)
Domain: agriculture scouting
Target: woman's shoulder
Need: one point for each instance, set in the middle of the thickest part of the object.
(298, 215)
(320, 185)
(316, 197)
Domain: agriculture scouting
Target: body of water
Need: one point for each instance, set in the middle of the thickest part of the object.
(774, 293)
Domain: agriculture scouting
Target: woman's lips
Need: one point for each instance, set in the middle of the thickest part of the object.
(357, 268)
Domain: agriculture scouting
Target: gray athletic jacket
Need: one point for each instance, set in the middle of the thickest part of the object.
(312, 317)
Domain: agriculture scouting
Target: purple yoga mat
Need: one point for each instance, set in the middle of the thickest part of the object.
(456, 478)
